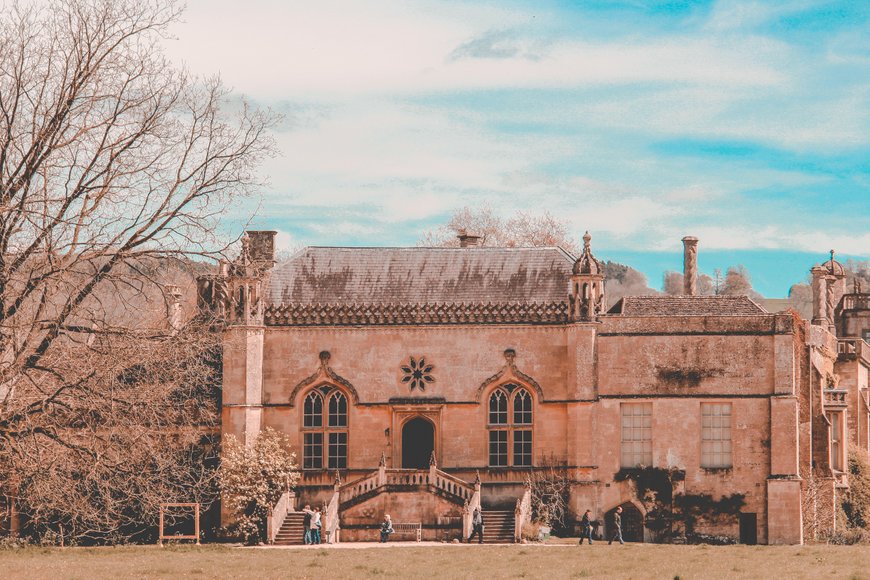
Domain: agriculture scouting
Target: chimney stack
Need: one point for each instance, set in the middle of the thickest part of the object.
(690, 265)
(262, 247)
(467, 240)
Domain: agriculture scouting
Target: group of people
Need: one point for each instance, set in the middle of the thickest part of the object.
(587, 523)
(312, 523)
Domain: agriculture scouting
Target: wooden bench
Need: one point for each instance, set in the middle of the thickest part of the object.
(408, 528)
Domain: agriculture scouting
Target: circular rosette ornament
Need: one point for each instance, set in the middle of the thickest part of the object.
(418, 373)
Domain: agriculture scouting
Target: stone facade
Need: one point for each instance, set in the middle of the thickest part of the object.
(411, 351)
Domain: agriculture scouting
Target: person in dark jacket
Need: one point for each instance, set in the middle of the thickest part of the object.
(617, 526)
(386, 529)
(476, 526)
(306, 525)
(586, 527)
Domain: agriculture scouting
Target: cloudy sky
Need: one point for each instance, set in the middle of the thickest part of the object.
(746, 124)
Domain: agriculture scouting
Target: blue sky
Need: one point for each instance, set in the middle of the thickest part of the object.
(746, 124)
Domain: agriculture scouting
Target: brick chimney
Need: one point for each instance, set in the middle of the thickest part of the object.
(467, 240)
(690, 265)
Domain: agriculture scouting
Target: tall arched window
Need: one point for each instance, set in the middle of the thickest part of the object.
(510, 433)
(324, 429)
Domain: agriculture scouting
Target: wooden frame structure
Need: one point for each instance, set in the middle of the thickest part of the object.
(195, 507)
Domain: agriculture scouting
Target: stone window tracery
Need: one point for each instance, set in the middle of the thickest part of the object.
(510, 433)
(325, 446)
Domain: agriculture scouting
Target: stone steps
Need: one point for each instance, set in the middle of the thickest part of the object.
(292, 530)
(498, 527)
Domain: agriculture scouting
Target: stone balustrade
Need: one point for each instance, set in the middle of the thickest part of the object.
(835, 397)
(403, 478)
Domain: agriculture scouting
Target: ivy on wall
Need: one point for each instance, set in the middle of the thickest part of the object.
(669, 515)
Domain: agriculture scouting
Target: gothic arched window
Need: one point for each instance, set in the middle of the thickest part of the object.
(324, 429)
(510, 434)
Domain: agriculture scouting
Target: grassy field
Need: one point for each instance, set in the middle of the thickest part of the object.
(448, 561)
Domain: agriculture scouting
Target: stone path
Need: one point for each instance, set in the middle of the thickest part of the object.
(366, 545)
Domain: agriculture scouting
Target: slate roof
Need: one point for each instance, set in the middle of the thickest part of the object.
(687, 306)
(422, 275)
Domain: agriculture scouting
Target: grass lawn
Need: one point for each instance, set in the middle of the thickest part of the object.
(448, 561)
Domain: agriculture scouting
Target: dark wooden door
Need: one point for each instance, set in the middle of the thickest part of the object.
(418, 442)
(748, 529)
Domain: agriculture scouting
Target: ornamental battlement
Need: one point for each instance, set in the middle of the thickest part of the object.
(427, 313)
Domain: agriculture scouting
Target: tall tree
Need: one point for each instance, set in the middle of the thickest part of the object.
(112, 160)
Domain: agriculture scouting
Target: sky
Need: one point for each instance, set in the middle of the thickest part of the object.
(744, 123)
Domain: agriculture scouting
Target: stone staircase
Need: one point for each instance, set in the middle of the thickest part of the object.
(498, 527)
(292, 530)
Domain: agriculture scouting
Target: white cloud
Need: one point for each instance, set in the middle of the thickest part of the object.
(347, 72)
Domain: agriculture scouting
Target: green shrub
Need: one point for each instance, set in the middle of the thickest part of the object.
(856, 503)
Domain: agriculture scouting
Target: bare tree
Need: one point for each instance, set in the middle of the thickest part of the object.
(111, 162)
(522, 230)
(739, 283)
(673, 283)
(623, 281)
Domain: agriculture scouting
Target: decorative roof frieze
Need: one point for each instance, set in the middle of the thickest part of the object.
(352, 314)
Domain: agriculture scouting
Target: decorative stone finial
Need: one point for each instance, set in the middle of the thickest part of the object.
(432, 461)
(510, 355)
(586, 263)
(383, 461)
(337, 478)
(477, 478)
(324, 357)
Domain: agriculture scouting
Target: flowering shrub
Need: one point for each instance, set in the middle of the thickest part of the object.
(253, 478)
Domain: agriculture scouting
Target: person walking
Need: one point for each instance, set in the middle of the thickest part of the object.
(386, 528)
(316, 523)
(617, 526)
(306, 524)
(586, 527)
(476, 526)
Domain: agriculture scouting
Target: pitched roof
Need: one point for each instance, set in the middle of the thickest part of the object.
(687, 306)
(422, 275)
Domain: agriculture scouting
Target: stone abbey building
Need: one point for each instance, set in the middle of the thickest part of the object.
(423, 382)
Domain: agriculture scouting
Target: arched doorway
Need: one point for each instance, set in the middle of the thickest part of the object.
(632, 523)
(418, 442)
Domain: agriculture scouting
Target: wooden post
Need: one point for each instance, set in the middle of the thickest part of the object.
(160, 537)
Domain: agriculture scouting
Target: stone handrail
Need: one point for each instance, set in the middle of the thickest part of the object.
(399, 477)
(278, 514)
(522, 513)
(360, 486)
(468, 510)
(331, 527)
(452, 485)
